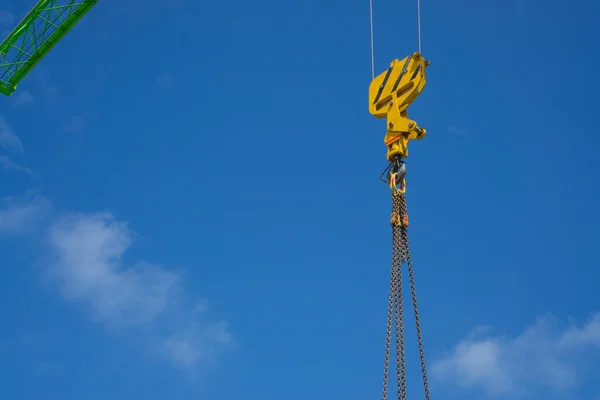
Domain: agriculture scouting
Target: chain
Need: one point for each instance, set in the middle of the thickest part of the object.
(414, 299)
(389, 323)
(400, 366)
(400, 255)
(393, 305)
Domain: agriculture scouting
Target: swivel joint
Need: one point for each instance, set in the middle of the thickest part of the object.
(390, 94)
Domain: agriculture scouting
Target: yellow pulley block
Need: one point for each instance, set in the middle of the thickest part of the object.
(390, 94)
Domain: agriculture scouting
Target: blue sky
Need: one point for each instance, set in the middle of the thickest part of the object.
(191, 205)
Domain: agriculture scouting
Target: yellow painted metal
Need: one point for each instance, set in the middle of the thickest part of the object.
(390, 94)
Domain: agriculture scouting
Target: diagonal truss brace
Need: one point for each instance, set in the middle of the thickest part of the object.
(39, 31)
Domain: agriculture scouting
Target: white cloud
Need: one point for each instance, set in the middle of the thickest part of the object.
(8, 165)
(52, 93)
(19, 215)
(8, 139)
(542, 357)
(76, 124)
(88, 252)
(165, 81)
(196, 342)
(24, 99)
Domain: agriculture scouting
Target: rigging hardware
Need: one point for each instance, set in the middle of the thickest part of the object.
(390, 94)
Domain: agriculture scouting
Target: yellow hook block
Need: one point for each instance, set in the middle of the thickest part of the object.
(390, 94)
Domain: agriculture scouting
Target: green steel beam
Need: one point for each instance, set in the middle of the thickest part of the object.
(40, 30)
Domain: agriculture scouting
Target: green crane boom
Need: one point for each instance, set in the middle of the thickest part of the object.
(40, 30)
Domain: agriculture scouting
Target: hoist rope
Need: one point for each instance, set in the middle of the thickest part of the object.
(419, 22)
(371, 37)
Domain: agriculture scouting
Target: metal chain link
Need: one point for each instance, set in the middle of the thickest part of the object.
(414, 298)
(401, 254)
(400, 365)
(389, 317)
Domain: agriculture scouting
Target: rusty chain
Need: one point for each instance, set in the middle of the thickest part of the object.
(400, 255)
(400, 365)
(389, 323)
(414, 297)
(393, 306)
